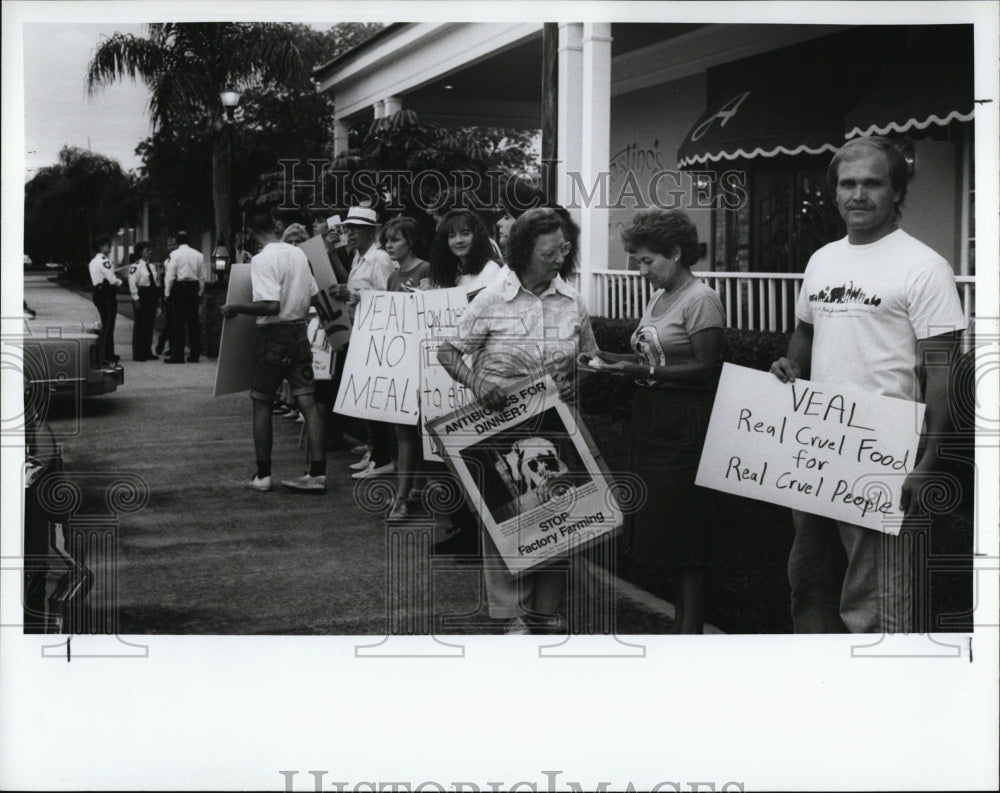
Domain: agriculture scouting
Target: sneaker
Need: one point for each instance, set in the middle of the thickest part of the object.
(517, 627)
(300, 419)
(307, 484)
(361, 464)
(263, 485)
(362, 449)
(292, 414)
(371, 470)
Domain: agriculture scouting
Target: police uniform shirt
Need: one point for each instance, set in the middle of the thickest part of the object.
(101, 271)
(140, 275)
(185, 264)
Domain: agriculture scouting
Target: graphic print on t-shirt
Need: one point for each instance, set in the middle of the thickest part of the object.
(647, 344)
(845, 294)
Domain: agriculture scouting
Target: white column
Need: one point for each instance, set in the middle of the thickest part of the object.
(379, 108)
(391, 105)
(569, 124)
(595, 147)
(340, 144)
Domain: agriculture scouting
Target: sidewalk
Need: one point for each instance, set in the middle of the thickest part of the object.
(205, 555)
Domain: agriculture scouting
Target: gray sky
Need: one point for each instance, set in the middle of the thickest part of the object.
(57, 109)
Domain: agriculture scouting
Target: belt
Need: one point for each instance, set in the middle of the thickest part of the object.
(187, 280)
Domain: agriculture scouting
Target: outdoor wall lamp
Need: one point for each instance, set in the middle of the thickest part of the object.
(230, 99)
(221, 257)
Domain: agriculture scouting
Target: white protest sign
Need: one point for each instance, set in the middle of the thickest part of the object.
(380, 378)
(531, 474)
(828, 450)
(332, 312)
(439, 393)
(235, 366)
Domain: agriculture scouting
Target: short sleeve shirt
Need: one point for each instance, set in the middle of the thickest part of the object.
(663, 336)
(408, 281)
(370, 271)
(512, 333)
(281, 272)
(101, 271)
(870, 304)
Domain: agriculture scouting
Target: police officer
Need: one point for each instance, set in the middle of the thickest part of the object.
(143, 285)
(184, 284)
(105, 283)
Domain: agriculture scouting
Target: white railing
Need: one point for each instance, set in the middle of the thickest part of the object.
(753, 301)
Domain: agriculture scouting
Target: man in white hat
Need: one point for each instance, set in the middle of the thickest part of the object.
(372, 266)
(370, 269)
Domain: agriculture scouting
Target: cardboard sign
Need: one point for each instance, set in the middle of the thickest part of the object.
(381, 379)
(235, 365)
(439, 394)
(333, 313)
(828, 450)
(530, 471)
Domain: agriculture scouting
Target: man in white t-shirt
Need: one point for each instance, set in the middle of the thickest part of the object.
(283, 289)
(874, 307)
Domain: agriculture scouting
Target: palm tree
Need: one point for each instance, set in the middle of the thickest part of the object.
(187, 65)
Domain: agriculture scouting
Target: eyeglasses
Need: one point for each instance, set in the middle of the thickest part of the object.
(556, 253)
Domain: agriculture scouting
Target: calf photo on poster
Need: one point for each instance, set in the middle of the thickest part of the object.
(532, 473)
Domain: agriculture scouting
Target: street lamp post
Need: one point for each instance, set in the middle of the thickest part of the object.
(230, 99)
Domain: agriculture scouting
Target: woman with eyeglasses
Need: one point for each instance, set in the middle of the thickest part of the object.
(677, 360)
(527, 323)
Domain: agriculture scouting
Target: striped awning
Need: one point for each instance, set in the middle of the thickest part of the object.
(930, 85)
(789, 102)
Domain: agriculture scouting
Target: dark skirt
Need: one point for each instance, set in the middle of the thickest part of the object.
(673, 524)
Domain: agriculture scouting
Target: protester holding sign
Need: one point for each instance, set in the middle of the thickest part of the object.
(678, 355)
(462, 255)
(283, 288)
(528, 323)
(370, 270)
(874, 309)
(401, 238)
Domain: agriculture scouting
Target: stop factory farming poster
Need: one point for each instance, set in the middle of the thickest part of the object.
(824, 449)
(530, 471)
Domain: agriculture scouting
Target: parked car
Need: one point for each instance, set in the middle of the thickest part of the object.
(67, 365)
(56, 583)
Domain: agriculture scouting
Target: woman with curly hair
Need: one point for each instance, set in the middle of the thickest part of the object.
(677, 360)
(506, 334)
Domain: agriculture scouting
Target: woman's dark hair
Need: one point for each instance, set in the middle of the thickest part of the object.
(407, 228)
(445, 265)
(140, 246)
(524, 233)
(663, 231)
(100, 242)
(899, 174)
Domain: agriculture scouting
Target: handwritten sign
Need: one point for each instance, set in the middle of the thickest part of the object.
(332, 312)
(235, 367)
(529, 469)
(439, 394)
(380, 378)
(829, 450)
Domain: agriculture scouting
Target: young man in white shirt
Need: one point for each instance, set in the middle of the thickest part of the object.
(874, 307)
(283, 289)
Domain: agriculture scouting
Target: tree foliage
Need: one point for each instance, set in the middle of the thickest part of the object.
(68, 204)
